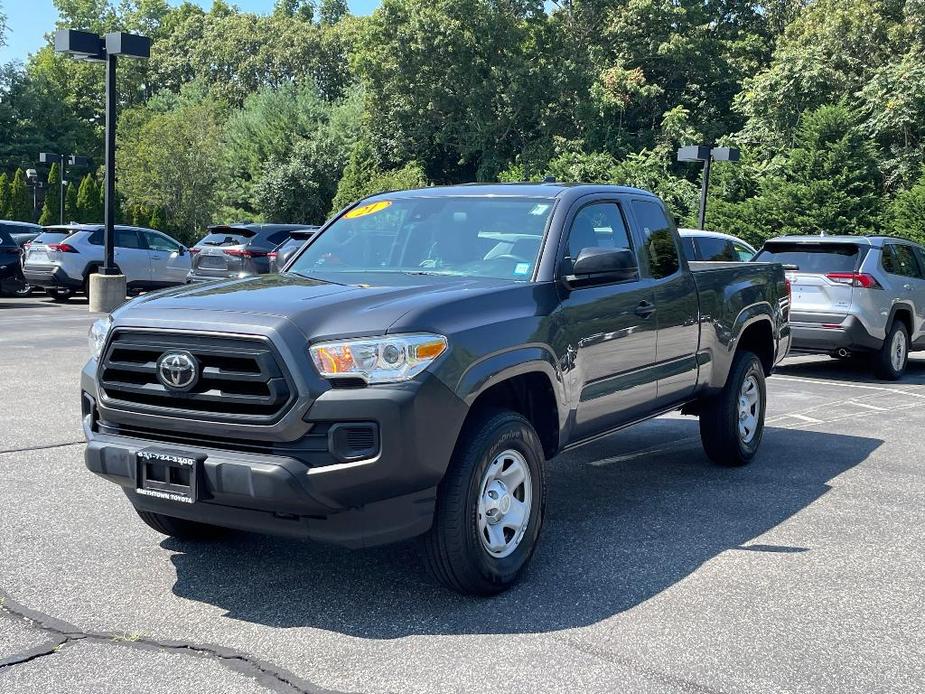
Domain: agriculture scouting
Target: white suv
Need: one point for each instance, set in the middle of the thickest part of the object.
(62, 258)
(854, 296)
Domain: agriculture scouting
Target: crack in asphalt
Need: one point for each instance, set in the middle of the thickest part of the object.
(42, 448)
(275, 678)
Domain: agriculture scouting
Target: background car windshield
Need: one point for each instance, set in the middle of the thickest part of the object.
(227, 237)
(465, 236)
(819, 257)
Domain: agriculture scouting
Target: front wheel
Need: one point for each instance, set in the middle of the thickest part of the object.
(732, 422)
(890, 362)
(179, 528)
(489, 506)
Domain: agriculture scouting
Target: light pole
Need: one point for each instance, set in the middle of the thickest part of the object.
(707, 154)
(64, 160)
(107, 288)
(33, 177)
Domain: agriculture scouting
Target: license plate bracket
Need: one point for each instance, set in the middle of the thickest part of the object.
(168, 474)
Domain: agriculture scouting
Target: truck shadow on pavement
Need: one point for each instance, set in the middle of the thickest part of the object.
(626, 519)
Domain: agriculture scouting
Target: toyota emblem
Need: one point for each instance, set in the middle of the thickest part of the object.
(177, 370)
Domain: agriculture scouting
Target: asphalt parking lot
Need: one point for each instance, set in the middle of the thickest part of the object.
(657, 571)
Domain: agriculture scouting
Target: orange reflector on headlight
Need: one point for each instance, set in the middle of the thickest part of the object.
(335, 359)
(430, 350)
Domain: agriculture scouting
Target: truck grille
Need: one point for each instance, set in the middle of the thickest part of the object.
(239, 378)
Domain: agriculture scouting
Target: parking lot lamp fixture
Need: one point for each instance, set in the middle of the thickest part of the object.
(63, 160)
(707, 154)
(85, 45)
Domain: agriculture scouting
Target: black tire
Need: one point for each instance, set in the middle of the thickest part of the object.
(719, 416)
(883, 360)
(61, 295)
(453, 550)
(178, 527)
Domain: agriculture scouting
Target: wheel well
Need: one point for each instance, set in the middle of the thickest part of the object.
(904, 315)
(531, 395)
(759, 339)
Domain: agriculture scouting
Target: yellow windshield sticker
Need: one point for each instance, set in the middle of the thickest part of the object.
(364, 210)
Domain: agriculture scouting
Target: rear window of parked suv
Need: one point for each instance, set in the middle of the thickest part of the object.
(51, 236)
(819, 258)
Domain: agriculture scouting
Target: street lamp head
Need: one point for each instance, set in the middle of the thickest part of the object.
(725, 154)
(83, 45)
(31, 175)
(48, 158)
(694, 153)
(128, 45)
(77, 160)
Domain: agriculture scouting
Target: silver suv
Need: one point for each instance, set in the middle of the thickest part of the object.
(62, 258)
(854, 296)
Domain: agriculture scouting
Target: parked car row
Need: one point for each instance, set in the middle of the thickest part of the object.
(61, 258)
(13, 236)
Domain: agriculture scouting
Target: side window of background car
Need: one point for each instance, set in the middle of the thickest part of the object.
(899, 259)
(278, 237)
(658, 242)
(127, 238)
(744, 254)
(156, 242)
(96, 238)
(598, 225)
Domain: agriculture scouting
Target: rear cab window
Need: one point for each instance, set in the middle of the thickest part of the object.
(658, 241)
(815, 258)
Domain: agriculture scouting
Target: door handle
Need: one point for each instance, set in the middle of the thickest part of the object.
(645, 309)
(907, 287)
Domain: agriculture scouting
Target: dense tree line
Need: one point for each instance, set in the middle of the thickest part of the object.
(291, 115)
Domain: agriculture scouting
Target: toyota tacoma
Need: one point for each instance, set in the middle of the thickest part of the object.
(416, 364)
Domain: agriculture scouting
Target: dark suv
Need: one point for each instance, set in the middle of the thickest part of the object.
(280, 255)
(237, 250)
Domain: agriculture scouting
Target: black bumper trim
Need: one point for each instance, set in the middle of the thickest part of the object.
(852, 336)
(51, 278)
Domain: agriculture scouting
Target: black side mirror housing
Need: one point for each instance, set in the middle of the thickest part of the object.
(182, 250)
(601, 265)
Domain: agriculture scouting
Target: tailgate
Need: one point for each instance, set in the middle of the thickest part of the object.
(816, 270)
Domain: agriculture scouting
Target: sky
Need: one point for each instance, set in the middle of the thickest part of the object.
(29, 20)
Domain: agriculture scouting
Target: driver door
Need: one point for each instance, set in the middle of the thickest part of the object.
(610, 329)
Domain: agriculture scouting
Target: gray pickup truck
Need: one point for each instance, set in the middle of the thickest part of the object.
(418, 362)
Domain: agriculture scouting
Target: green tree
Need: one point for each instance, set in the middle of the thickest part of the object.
(157, 221)
(51, 206)
(332, 11)
(88, 200)
(71, 208)
(363, 177)
(907, 212)
(21, 203)
(5, 211)
(185, 184)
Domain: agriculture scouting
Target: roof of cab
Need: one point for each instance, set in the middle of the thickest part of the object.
(520, 190)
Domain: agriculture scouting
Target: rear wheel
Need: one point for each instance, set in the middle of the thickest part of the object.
(489, 507)
(179, 528)
(61, 294)
(890, 362)
(732, 422)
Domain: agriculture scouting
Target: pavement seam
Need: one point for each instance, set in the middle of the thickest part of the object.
(275, 678)
(43, 448)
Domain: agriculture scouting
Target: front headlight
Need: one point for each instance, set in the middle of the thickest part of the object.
(97, 337)
(388, 359)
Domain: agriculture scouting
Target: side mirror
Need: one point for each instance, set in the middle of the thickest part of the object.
(182, 251)
(599, 265)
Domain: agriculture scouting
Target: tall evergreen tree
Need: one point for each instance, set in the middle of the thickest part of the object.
(21, 206)
(88, 200)
(4, 196)
(51, 210)
(71, 209)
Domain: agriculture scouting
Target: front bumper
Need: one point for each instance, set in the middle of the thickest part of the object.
(850, 335)
(385, 498)
(50, 277)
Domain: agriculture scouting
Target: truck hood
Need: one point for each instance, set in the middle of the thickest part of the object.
(319, 309)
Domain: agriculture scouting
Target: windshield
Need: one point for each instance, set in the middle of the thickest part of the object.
(227, 236)
(488, 237)
(812, 257)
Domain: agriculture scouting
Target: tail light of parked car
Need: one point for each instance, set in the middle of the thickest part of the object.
(854, 279)
(244, 253)
(62, 248)
(194, 251)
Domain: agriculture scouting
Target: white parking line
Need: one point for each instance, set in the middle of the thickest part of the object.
(842, 384)
(869, 407)
(803, 417)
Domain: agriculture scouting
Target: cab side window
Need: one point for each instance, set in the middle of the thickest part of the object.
(658, 244)
(598, 225)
